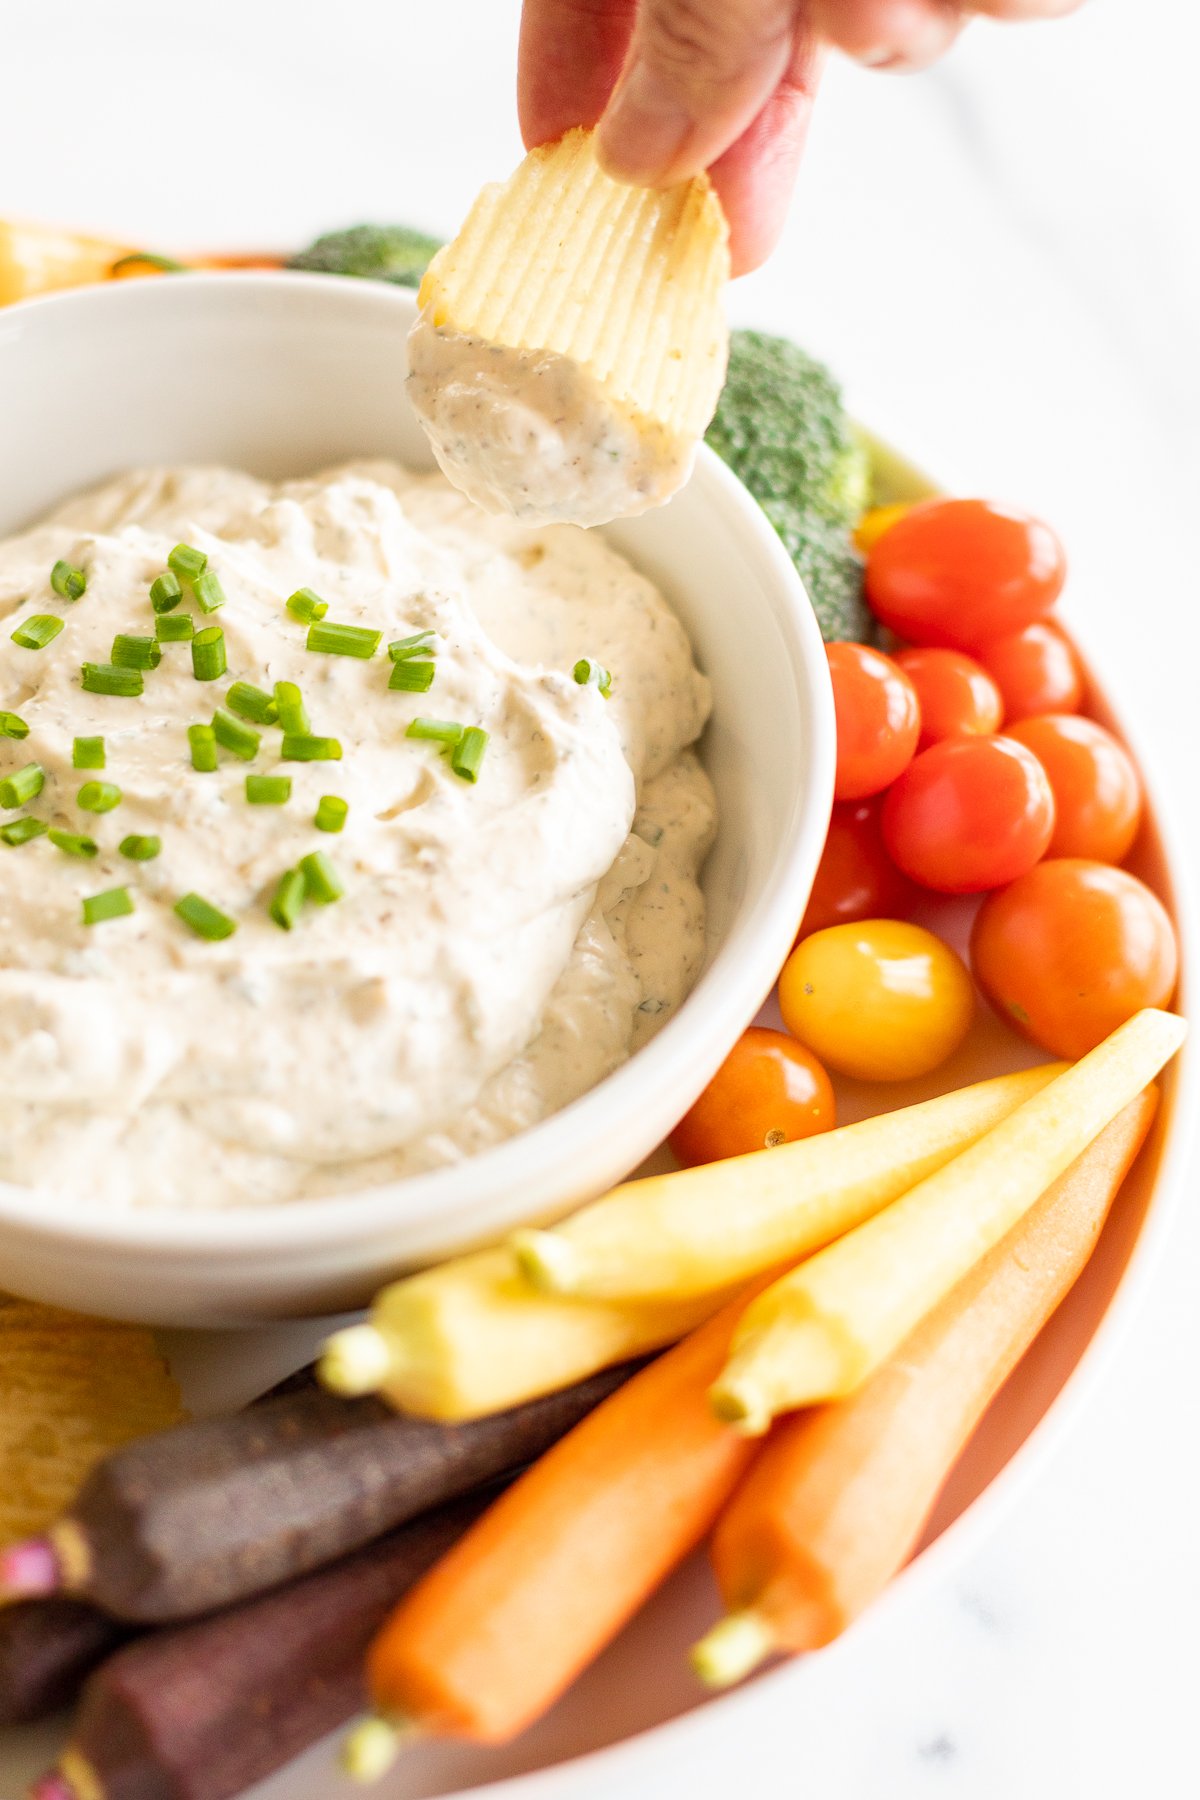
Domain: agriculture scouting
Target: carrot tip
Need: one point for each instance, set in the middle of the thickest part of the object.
(29, 1570)
(355, 1361)
(547, 1260)
(373, 1745)
(739, 1403)
(733, 1647)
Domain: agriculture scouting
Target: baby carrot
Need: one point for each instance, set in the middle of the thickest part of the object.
(839, 1496)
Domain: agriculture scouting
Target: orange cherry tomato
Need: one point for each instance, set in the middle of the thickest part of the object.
(857, 879)
(878, 719)
(1097, 791)
(958, 572)
(957, 697)
(769, 1090)
(969, 814)
(1072, 950)
(1036, 670)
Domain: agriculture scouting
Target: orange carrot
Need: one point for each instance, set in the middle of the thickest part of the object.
(838, 1499)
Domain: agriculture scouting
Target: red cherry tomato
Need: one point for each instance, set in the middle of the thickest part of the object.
(857, 879)
(968, 814)
(958, 698)
(1097, 792)
(959, 572)
(1072, 950)
(1036, 671)
(769, 1090)
(878, 719)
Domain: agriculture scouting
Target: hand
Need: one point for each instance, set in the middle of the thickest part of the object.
(682, 85)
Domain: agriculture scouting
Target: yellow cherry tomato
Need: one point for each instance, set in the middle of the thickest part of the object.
(873, 524)
(881, 1000)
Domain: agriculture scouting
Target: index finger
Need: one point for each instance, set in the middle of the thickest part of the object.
(570, 55)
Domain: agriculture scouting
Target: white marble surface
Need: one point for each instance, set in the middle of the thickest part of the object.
(1002, 259)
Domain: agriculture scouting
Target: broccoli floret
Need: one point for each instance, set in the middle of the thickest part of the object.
(831, 570)
(374, 252)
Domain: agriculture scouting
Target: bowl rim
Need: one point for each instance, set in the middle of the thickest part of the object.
(720, 1005)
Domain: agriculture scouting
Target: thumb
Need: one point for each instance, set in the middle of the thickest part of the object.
(698, 72)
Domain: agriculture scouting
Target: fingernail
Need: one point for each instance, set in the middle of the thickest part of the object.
(644, 129)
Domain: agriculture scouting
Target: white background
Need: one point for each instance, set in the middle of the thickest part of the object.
(1002, 260)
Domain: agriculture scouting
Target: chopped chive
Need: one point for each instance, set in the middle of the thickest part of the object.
(25, 785)
(88, 753)
(165, 592)
(38, 631)
(467, 755)
(300, 747)
(74, 843)
(19, 831)
(140, 849)
(98, 796)
(208, 654)
(288, 898)
(249, 702)
(343, 640)
(268, 790)
(592, 674)
(231, 734)
(203, 741)
(331, 812)
(437, 731)
(129, 652)
(208, 592)
(12, 726)
(187, 563)
(174, 628)
(206, 920)
(293, 714)
(69, 582)
(417, 645)
(410, 677)
(306, 606)
(321, 881)
(113, 903)
(106, 678)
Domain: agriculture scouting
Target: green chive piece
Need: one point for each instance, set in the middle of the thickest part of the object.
(69, 582)
(174, 628)
(293, 714)
(187, 563)
(206, 920)
(288, 898)
(203, 741)
(140, 849)
(208, 654)
(268, 790)
(436, 731)
(231, 734)
(411, 677)
(36, 632)
(300, 747)
(88, 753)
(467, 755)
(306, 606)
(331, 812)
(343, 640)
(208, 592)
(129, 652)
(592, 674)
(74, 843)
(12, 726)
(113, 903)
(106, 678)
(98, 796)
(165, 592)
(321, 880)
(25, 785)
(249, 702)
(417, 645)
(19, 831)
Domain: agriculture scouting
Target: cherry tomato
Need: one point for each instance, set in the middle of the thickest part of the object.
(857, 879)
(1097, 792)
(958, 572)
(878, 719)
(880, 1000)
(1036, 671)
(875, 522)
(1072, 950)
(769, 1090)
(969, 814)
(957, 697)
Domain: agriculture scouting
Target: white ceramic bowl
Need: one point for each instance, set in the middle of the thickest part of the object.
(282, 375)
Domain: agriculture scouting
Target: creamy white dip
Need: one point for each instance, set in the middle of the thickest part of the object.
(500, 947)
(534, 434)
